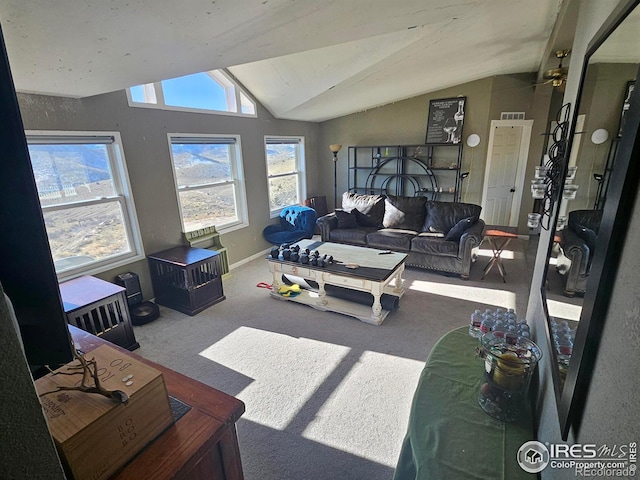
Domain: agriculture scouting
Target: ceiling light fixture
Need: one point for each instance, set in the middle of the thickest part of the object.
(557, 76)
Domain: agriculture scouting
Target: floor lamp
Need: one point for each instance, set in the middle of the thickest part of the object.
(335, 148)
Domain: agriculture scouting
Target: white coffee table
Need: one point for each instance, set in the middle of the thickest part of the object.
(376, 274)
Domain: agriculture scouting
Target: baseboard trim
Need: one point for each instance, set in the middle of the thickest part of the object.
(261, 254)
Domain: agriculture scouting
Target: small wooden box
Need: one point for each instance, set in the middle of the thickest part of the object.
(95, 435)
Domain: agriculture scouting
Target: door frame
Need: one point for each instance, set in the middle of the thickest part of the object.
(525, 138)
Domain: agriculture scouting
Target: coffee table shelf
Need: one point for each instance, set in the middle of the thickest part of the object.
(337, 305)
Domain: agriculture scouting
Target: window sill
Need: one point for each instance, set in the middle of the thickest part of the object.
(101, 268)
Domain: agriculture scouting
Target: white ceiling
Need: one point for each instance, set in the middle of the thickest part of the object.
(623, 45)
(302, 59)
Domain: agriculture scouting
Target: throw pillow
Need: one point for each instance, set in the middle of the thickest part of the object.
(367, 220)
(459, 228)
(346, 219)
(442, 216)
(404, 212)
(369, 208)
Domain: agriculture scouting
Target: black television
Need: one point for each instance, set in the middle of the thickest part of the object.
(27, 272)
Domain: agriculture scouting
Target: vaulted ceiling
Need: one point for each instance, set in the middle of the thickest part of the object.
(302, 59)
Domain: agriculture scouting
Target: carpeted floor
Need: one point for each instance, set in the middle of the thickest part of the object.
(327, 396)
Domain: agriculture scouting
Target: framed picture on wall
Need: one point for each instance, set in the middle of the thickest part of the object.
(625, 104)
(445, 121)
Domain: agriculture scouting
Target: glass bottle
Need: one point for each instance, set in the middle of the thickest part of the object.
(487, 324)
(474, 324)
(500, 329)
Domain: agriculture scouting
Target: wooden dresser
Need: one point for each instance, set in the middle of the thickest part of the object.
(202, 444)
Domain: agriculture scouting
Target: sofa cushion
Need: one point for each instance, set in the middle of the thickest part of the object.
(404, 212)
(459, 228)
(585, 218)
(346, 219)
(442, 216)
(434, 246)
(391, 239)
(354, 236)
(370, 208)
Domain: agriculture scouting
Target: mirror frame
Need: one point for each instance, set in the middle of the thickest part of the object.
(618, 207)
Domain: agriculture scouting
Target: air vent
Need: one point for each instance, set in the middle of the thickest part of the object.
(512, 116)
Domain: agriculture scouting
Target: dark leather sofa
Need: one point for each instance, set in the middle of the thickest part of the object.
(441, 236)
(577, 242)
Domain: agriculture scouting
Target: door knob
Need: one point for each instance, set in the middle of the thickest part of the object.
(512, 190)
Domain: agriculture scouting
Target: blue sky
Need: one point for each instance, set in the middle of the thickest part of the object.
(194, 91)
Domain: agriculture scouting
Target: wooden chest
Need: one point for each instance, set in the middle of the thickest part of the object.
(187, 279)
(100, 308)
(96, 435)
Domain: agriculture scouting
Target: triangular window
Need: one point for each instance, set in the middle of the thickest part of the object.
(212, 92)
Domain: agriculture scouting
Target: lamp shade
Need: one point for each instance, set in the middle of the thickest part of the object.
(335, 148)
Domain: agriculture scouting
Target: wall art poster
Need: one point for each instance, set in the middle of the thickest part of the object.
(446, 117)
(626, 104)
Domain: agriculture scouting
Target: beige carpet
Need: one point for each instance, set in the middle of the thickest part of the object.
(327, 396)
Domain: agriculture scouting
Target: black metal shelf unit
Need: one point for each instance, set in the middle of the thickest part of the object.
(603, 179)
(408, 170)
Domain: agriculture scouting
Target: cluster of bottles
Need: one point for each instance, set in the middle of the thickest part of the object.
(563, 338)
(499, 321)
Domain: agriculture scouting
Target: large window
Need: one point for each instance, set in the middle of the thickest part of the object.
(210, 92)
(85, 198)
(285, 172)
(209, 181)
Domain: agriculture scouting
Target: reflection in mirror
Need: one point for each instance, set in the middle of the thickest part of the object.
(605, 93)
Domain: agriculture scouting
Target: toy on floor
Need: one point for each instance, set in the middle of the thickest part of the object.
(290, 290)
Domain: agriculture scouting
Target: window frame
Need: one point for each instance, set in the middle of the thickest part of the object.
(238, 181)
(300, 172)
(220, 76)
(123, 195)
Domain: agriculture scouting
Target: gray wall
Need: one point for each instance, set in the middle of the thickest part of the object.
(610, 415)
(144, 138)
(601, 102)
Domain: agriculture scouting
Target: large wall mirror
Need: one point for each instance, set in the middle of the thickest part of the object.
(601, 181)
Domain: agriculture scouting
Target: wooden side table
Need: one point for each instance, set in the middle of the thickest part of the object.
(100, 308)
(187, 279)
(201, 444)
(498, 237)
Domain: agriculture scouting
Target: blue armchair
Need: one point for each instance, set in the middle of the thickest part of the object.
(296, 223)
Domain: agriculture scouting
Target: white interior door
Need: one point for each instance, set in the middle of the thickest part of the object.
(502, 193)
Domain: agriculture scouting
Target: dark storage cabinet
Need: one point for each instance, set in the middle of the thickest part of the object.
(187, 279)
(100, 308)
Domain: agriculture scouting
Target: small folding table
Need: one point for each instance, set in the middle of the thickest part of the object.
(498, 238)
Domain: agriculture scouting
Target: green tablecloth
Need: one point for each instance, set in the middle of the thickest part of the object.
(449, 435)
